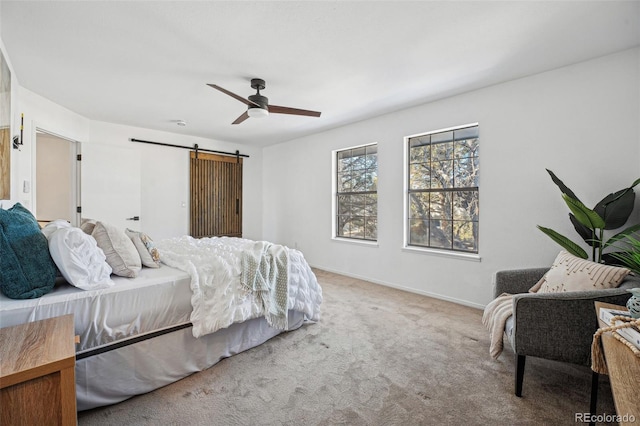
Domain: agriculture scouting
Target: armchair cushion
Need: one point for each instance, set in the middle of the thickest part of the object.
(571, 273)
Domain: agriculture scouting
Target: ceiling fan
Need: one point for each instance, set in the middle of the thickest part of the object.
(258, 105)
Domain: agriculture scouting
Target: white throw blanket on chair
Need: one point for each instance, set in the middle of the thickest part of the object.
(495, 317)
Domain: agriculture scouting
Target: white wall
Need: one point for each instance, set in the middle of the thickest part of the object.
(165, 178)
(580, 121)
(164, 174)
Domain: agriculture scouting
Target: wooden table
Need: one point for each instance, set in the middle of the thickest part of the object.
(624, 372)
(37, 373)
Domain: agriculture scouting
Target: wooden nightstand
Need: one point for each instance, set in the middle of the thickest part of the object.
(37, 373)
(624, 372)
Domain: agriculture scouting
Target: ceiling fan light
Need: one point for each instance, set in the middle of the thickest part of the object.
(257, 112)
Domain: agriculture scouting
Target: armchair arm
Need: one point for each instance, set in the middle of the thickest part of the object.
(560, 326)
(517, 280)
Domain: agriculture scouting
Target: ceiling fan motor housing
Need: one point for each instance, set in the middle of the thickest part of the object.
(263, 101)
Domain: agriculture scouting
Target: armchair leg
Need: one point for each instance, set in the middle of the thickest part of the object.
(520, 359)
(594, 394)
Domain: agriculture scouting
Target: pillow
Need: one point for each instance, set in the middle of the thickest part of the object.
(27, 270)
(121, 254)
(148, 252)
(88, 225)
(79, 259)
(571, 273)
(52, 227)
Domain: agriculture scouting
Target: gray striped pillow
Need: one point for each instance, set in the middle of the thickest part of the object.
(571, 273)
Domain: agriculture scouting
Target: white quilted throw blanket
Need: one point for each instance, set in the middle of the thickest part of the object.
(219, 298)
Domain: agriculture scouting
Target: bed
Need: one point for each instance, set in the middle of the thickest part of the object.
(205, 301)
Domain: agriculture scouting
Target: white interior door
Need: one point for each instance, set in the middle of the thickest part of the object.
(111, 185)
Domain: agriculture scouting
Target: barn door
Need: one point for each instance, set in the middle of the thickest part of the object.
(216, 195)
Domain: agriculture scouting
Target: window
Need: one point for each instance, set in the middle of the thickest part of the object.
(356, 196)
(442, 196)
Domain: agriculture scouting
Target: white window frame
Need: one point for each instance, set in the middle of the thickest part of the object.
(406, 221)
(334, 205)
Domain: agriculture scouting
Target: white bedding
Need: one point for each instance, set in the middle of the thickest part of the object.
(156, 299)
(218, 297)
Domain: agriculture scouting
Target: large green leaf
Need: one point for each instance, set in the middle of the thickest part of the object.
(564, 188)
(566, 243)
(583, 214)
(587, 234)
(616, 208)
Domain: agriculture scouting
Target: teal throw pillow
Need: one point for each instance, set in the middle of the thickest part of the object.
(27, 270)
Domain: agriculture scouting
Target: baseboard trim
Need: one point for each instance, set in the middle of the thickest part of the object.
(403, 288)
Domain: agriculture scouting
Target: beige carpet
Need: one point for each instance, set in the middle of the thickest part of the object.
(379, 356)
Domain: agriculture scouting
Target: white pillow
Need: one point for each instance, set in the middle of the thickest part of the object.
(121, 254)
(79, 259)
(54, 226)
(571, 273)
(146, 249)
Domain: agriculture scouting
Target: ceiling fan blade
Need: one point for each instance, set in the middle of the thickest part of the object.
(240, 119)
(293, 111)
(233, 95)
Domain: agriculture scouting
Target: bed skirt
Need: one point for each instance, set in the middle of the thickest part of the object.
(114, 376)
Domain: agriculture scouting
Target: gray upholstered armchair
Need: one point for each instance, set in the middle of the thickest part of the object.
(556, 326)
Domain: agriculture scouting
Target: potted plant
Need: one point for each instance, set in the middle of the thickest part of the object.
(612, 212)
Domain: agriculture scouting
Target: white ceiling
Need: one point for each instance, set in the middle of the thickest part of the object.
(146, 64)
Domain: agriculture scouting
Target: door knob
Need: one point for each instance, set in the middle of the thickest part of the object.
(133, 218)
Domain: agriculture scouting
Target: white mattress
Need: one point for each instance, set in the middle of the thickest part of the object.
(157, 299)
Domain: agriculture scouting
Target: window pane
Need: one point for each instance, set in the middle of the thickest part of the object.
(371, 157)
(371, 201)
(437, 138)
(419, 205)
(440, 235)
(419, 176)
(359, 158)
(442, 174)
(344, 204)
(424, 140)
(442, 151)
(370, 181)
(357, 227)
(465, 236)
(467, 133)
(370, 228)
(345, 182)
(344, 160)
(466, 148)
(440, 205)
(466, 171)
(343, 227)
(419, 232)
(465, 205)
(420, 150)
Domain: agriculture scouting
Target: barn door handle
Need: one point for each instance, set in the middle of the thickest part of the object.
(133, 218)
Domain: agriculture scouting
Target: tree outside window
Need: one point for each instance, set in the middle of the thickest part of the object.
(357, 193)
(443, 203)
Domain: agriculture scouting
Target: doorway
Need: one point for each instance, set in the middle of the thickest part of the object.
(57, 179)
